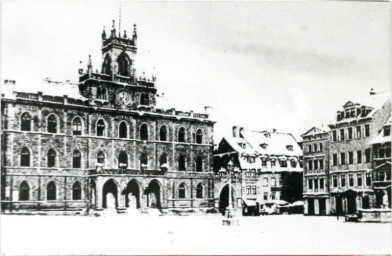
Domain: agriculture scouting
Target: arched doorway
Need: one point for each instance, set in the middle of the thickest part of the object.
(109, 191)
(132, 195)
(224, 198)
(92, 193)
(153, 193)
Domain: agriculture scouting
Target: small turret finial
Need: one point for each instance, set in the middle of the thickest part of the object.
(134, 36)
(125, 34)
(113, 32)
(89, 66)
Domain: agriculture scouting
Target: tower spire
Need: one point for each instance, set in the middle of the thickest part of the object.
(119, 22)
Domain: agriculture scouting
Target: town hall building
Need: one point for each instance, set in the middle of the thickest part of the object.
(102, 143)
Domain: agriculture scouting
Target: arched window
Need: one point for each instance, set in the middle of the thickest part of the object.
(162, 160)
(122, 130)
(199, 164)
(181, 163)
(293, 163)
(24, 191)
(52, 124)
(163, 133)
(124, 64)
(76, 191)
(25, 157)
(102, 94)
(51, 191)
(144, 159)
(101, 128)
(77, 126)
(76, 159)
(181, 134)
(199, 137)
(181, 191)
(106, 65)
(199, 191)
(25, 122)
(144, 132)
(101, 157)
(52, 158)
(123, 159)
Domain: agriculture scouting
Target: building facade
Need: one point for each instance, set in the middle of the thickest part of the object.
(269, 166)
(357, 124)
(381, 181)
(103, 143)
(315, 146)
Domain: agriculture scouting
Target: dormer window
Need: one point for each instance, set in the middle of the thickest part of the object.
(387, 130)
(242, 145)
(267, 135)
(264, 145)
(289, 147)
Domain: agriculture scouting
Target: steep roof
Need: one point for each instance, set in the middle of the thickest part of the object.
(314, 130)
(381, 138)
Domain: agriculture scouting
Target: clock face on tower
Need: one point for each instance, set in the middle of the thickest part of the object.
(123, 97)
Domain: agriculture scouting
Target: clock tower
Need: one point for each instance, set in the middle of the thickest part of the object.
(116, 84)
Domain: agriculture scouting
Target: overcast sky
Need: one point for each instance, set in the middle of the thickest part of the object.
(260, 65)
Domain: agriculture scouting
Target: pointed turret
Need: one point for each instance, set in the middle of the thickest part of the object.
(89, 66)
(134, 36)
(125, 34)
(113, 31)
(103, 33)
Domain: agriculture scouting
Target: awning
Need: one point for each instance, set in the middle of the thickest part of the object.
(249, 202)
(278, 202)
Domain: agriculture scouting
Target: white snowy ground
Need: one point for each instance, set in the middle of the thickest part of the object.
(121, 234)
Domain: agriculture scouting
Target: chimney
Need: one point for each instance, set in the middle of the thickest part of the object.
(239, 133)
(372, 92)
(10, 83)
(274, 130)
(235, 131)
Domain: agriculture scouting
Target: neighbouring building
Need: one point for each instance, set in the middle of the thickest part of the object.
(269, 166)
(315, 146)
(102, 143)
(382, 167)
(357, 124)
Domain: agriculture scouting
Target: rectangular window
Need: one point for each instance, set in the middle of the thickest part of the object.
(321, 146)
(309, 148)
(254, 190)
(321, 162)
(321, 184)
(359, 179)
(335, 181)
(334, 137)
(341, 134)
(367, 130)
(342, 158)
(273, 163)
(248, 190)
(367, 155)
(265, 182)
(264, 163)
(315, 164)
(388, 151)
(359, 156)
(310, 183)
(358, 132)
(351, 180)
(273, 195)
(350, 133)
(334, 159)
(350, 157)
(315, 184)
(343, 180)
(310, 165)
(368, 180)
(273, 182)
(265, 197)
(283, 163)
(315, 148)
(381, 152)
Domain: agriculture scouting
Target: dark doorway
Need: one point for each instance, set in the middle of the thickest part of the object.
(322, 206)
(153, 192)
(132, 195)
(109, 195)
(310, 206)
(224, 199)
(351, 202)
(339, 205)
